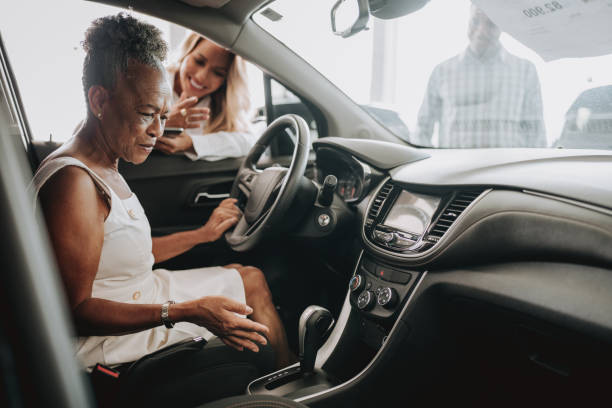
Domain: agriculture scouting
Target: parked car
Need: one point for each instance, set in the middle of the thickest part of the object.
(588, 122)
(477, 277)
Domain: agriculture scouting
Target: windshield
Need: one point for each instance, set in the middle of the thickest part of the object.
(447, 76)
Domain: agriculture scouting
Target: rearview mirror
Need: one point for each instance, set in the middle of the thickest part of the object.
(348, 17)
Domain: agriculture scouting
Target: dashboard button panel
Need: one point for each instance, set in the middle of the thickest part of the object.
(378, 289)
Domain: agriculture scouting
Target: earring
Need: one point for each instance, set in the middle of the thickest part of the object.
(99, 115)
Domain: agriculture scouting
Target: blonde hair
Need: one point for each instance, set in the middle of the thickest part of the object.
(230, 104)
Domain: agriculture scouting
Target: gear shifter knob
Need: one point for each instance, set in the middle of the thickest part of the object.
(316, 323)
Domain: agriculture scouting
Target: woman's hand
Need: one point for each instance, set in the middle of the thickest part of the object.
(222, 218)
(185, 115)
(170, 145)
(219, 315)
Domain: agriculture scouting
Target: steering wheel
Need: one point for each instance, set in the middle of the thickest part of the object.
(269, 192)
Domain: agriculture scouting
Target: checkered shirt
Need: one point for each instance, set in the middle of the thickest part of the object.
(486, 102)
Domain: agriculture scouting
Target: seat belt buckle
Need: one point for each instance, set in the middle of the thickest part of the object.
(106, 385)
(101, 371)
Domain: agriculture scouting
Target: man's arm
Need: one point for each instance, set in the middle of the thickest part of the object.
(533, 117)
(429, 113)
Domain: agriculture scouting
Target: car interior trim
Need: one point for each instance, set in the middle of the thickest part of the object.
(378, 154)
(367, 177)
(332, 341)
(570, 201)
(380, 351)
(530, 169)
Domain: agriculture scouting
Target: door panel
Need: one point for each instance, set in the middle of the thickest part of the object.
(167, 187)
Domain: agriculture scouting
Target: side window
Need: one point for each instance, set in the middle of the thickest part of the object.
(48, 68)
(280, 101)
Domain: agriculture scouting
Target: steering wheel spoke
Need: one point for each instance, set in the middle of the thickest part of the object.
(270, 192)
(257, 222)
(246, 179)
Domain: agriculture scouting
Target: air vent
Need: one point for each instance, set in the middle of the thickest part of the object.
(459, 203)
(379, 201)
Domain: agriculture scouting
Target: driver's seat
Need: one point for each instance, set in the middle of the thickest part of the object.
(185, 374)
(254, 401)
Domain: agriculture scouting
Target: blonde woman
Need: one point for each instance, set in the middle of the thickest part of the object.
(210, 101)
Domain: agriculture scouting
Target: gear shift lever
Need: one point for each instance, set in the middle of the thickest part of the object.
(316, 323)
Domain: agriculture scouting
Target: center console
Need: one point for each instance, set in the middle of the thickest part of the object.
(399, 223)
(376, 295)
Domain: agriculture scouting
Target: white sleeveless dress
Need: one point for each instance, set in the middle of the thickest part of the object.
(125, 274)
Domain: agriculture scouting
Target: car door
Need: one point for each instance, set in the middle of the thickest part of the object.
(179, 194)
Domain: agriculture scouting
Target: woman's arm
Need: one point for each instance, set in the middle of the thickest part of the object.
(75, 214)
(222, 218)
(208, 146)
(219, 145)
(98, 317)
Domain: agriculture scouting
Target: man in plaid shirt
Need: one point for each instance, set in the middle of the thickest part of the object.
(483, 97)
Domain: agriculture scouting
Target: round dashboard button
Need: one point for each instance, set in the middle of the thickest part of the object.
(366, 300)
(356, 283)
(387, 297)
(324, 220)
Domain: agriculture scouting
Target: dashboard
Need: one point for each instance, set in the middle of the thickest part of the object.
(448, 210)
(421, 211)
(496, 259)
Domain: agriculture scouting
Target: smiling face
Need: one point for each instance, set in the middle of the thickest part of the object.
(203, 70)
(482, 32)
(135, 114)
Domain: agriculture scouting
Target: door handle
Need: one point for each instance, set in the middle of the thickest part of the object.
(209, 196)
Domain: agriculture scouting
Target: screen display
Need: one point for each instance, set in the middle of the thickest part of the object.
(412, 212)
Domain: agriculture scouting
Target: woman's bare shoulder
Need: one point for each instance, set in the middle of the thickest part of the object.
(70, 189)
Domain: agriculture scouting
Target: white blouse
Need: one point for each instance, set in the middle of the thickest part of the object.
(218, 145)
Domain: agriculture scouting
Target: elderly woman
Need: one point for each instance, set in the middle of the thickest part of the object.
(210, 101)
(124, 310)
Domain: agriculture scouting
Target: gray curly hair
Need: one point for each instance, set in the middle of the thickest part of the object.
(112, 41)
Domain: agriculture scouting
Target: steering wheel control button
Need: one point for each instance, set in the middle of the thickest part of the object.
(323, 220)
(356, 283)
(387, 297)
(366, 300)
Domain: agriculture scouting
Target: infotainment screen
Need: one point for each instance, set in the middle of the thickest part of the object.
(412, 212)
